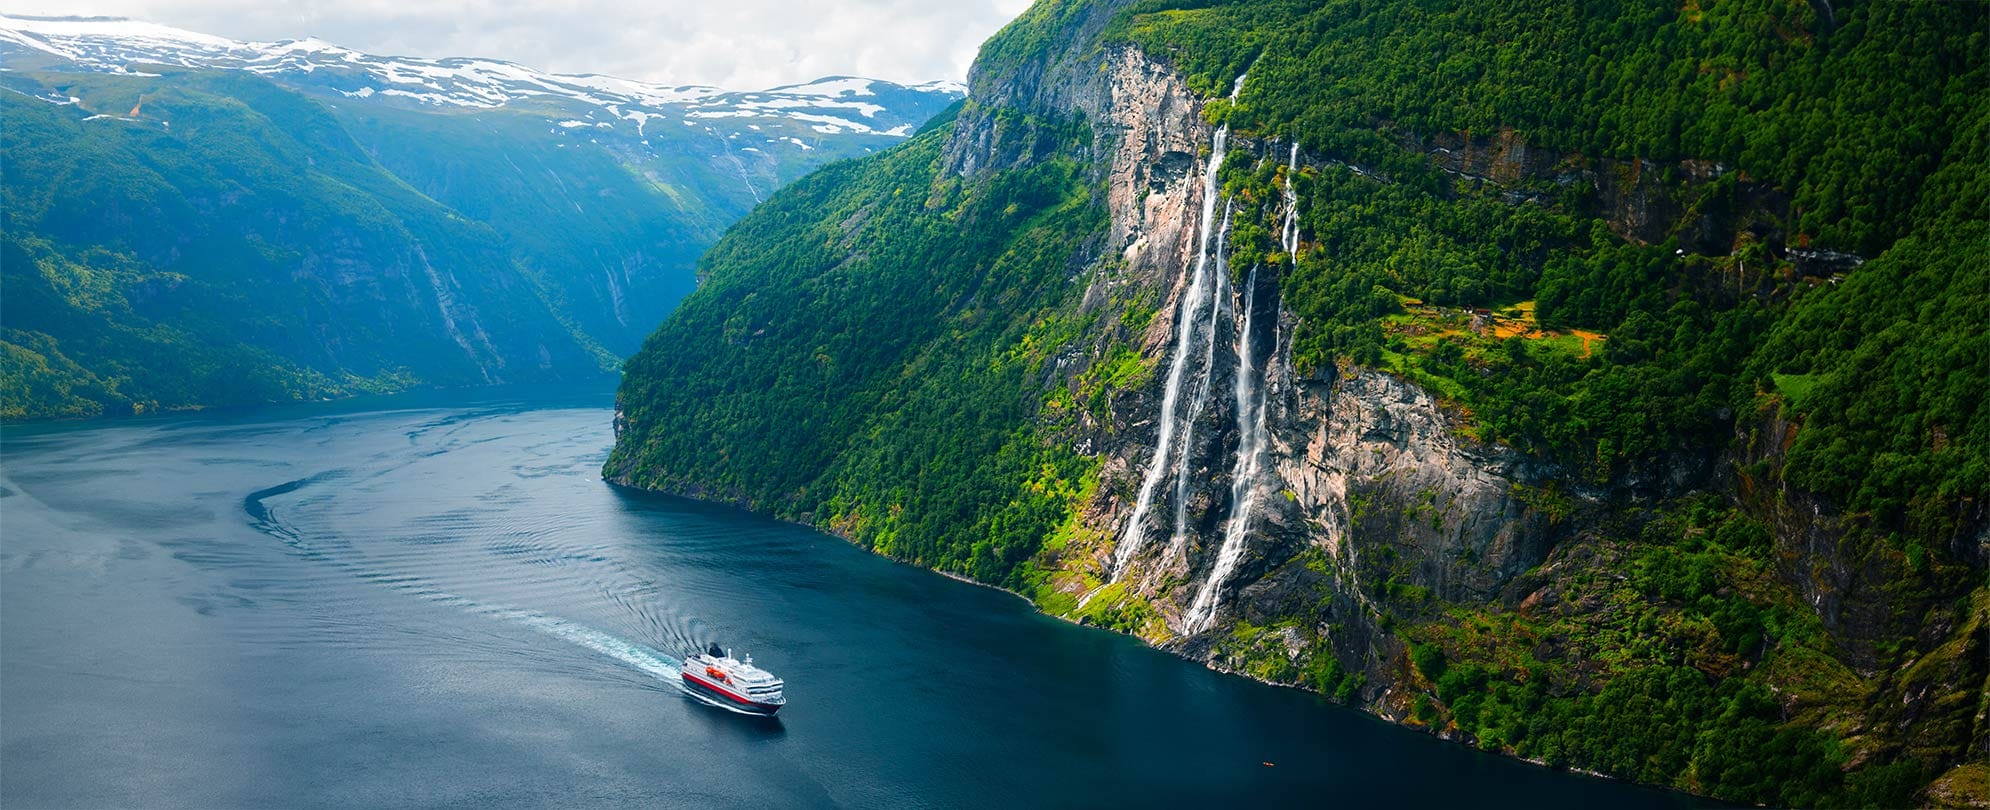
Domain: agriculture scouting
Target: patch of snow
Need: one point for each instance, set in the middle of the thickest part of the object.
(648, 94)
(866, 110)
(947, 86)
(830, 86)
(23, 40)
(830, 121)
(436, 99)
(641, 118)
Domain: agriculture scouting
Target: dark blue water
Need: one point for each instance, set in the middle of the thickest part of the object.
(444, 605)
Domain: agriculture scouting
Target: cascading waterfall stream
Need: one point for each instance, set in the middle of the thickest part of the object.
(1290, 234)
(1194, 299)
(1179, 541)
(1243, 475)
(1252, 435)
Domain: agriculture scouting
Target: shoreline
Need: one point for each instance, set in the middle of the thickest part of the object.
(1211, 665)
(951, 575)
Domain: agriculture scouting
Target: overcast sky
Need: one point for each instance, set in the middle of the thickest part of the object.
(736, 44)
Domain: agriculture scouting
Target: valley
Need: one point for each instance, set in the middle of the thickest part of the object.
(1597, 385)
(193, 221)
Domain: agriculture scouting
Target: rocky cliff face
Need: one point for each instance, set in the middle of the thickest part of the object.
(1366, 501)
(1365, 477)
(1081, 340)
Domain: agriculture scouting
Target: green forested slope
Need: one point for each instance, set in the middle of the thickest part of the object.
(1851, 109)
(188, 237)
(1851, 105)
(240, 254)
(1783, 600)
(234, 244)
(1857, 132)
(570, 217)
(1864, 129)
(861, 340)
(1874, 119)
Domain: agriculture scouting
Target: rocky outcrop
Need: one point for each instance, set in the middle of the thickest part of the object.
(1376, 469)
(1374, 503)
(1705, 206)
(1165, 469)
(1367, 478)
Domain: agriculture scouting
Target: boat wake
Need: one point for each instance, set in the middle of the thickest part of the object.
(640, 657)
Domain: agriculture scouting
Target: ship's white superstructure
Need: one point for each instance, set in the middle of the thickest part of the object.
(738, 682)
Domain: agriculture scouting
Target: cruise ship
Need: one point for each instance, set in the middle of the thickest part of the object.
(738, 683)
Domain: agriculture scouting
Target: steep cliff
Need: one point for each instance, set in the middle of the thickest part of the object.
(1504, 440)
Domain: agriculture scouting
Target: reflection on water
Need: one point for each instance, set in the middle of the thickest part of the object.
(443, 604)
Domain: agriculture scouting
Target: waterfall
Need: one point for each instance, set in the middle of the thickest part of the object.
(1221, 276)
(1252, 436)
(1251, 441)
(1194, 299)
(1200, 293)
(1289, 236)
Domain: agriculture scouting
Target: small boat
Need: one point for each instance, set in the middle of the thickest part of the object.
(736, 682)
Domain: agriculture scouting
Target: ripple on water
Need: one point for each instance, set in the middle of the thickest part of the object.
(355, 618)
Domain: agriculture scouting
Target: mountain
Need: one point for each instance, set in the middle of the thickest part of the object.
(192, 221)
(1598, 383)
(790, 117)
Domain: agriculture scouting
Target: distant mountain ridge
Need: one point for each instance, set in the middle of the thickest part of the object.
(829, 105)
(191, 220)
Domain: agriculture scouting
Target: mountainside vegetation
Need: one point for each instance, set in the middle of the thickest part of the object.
(1720, 266)
(871, 328)
(248, 251)
(1873, 119)
(194, 237)
(1849, 106)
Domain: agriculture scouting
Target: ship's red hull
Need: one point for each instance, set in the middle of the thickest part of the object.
(737, 701)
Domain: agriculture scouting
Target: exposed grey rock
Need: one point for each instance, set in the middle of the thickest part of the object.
(1365, 469)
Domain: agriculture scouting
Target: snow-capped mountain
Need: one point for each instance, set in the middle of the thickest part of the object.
(789, 117)
(275, 220)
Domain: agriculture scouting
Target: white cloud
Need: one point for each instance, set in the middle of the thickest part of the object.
(739, 44)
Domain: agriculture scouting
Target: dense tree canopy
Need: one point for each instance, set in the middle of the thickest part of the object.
(872, 350)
